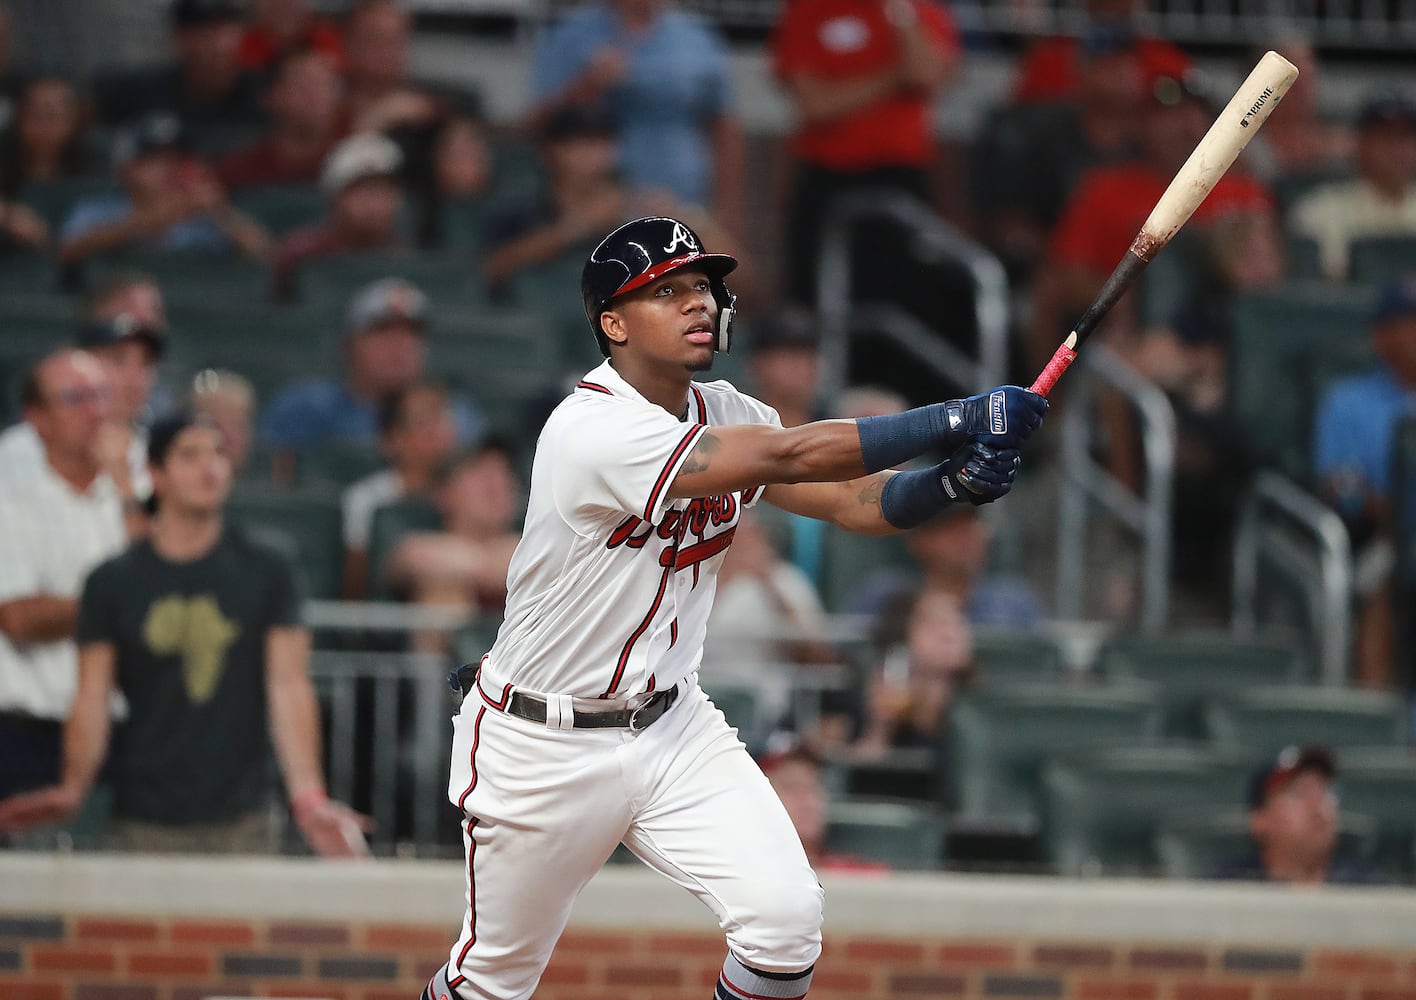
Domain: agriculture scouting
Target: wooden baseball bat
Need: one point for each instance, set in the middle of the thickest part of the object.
(1246, 111)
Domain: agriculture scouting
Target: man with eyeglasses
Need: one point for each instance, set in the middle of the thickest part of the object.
(57, 521)
(124, 326)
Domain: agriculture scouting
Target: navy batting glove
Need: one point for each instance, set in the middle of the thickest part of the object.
(981, 474)
(975, 474)
(1004, 417)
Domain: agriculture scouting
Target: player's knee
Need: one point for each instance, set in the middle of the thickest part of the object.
(783, 933)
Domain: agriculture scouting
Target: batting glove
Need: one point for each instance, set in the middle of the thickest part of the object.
(1001, 418)
(980, 474)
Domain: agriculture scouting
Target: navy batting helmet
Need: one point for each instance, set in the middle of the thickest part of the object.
(645, 250)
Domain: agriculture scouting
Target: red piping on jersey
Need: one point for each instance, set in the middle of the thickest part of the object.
(472, 757)
(702, 406)
(673, 638)
(751, 996)
(582, 384)
(459, 979)
(639, 630)
(668, 470)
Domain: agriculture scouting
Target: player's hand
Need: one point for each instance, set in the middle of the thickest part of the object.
(1004, 417)
(980, 474)
(55, 804)
(332, 829)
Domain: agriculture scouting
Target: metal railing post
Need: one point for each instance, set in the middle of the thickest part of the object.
(1328, 557)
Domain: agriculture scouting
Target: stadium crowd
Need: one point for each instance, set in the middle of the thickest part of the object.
(278, 271)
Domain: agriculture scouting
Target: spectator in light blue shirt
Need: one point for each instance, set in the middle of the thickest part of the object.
(663, 75)
(385, 351)
(1353, 449)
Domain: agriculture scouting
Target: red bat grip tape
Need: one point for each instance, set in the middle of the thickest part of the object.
(1061, 360)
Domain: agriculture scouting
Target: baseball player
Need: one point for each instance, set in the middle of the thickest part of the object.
(584, 725)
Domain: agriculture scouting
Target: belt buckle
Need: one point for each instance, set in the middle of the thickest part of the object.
(655, 700)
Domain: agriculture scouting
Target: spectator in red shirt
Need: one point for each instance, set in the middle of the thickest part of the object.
(862, 75)
(1049, 70)
(1110, 204)
(305, 102)
(279, 28)
(360, 179)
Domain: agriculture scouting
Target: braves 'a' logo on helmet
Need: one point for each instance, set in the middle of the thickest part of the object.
(682, 237)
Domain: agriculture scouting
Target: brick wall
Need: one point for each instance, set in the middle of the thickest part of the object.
(112, 957)
(96, 927)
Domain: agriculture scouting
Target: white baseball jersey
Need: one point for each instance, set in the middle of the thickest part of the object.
(610, 588)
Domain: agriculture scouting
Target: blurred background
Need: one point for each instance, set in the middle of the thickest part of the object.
(351, 235)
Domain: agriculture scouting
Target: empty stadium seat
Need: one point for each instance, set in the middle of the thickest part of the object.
(1381, 783)
(1190, 666)
(910, 773)
(999, 737)
(1275, 334)
(901, 835)
(281, 208)
(1266, 719)
(304, 526)
(1375, 260)
(1304, 260)
(1017, 656)
(1102, 810)
(848, 558)
(1198, 845)
(337, 465)
(738, 703)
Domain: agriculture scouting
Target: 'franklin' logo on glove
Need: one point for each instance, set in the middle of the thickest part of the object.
(997, 415)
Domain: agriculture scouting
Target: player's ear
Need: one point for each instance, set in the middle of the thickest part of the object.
(612, 326)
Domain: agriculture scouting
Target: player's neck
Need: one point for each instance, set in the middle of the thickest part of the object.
(662, 386)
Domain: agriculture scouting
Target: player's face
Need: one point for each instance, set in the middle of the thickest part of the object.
(672, 320)
(195, 476)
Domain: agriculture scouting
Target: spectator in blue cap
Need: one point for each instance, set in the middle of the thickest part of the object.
(1293, 821)
(1352, 463)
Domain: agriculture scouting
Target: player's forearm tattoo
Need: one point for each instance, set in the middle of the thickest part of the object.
(869, 495)
(701, 456)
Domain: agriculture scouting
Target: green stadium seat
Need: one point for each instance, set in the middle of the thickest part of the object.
(1275, 335)
(1403, 506)
(208, 279)
(337, 465)
(471, 641)
(551, 292)
(902, 835)
(1289, 188)
(390, 523)
(1380, 782)
(303, 526)
(27, 273)
(450, 281)
(1198, 845)
(1005, 657)
(1190, 666)
(848, 558)
(517, 174)
(910, 774)
(1304, 259)
(999, 737)
(738, 703)
(1375, 260)
(281, 208)
(1266, 719)
(1102, 810)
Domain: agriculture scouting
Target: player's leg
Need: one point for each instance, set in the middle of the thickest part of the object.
(709, 820)
(543, 811)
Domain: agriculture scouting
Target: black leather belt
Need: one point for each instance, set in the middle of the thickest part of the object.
(528, 706)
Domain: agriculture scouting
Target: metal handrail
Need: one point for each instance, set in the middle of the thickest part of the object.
(935, 239)
(1323, 571)
(1084, 479)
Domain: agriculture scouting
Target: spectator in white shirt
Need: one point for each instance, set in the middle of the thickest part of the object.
(1380, 200)
(417, 433)
(56, 523)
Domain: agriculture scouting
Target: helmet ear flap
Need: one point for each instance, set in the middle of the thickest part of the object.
(727, 309)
